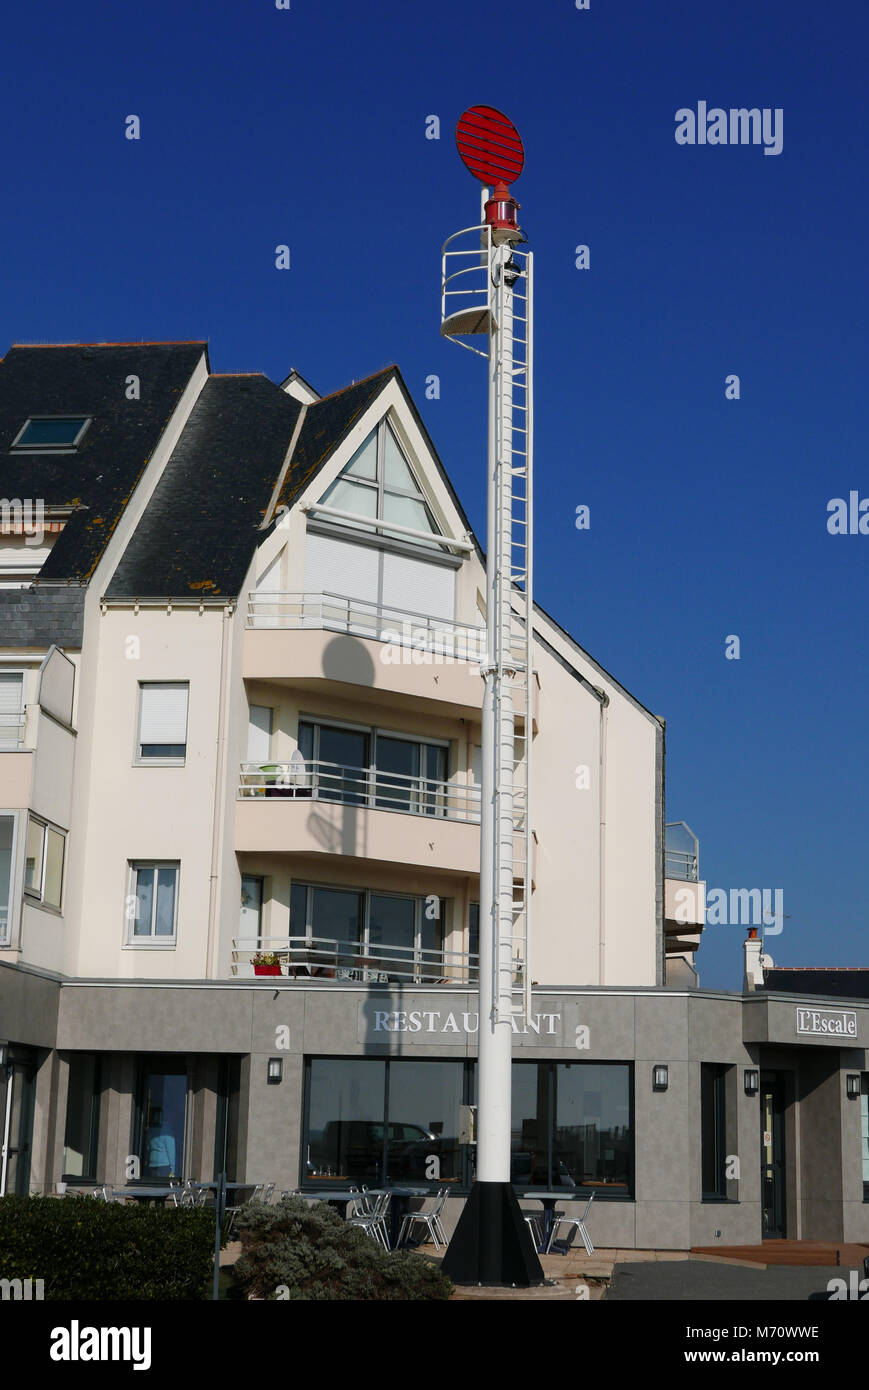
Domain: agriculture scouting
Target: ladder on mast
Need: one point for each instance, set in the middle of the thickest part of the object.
(502, 307)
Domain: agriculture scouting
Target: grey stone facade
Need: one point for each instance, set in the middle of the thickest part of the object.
(295, 1020)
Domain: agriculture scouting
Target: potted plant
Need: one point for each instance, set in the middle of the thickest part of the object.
(265, 963)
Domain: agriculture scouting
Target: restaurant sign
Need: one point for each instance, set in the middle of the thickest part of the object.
(830, 1023)
(456, 1024)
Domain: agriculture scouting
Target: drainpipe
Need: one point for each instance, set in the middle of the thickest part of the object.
(604, 702)
(219, 794)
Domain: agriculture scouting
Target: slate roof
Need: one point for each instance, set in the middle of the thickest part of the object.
(200, 528)
(38, 617)
(100, 476)
(837, 983)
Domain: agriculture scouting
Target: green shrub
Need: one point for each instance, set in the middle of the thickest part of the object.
(86, 1249)
(312, 1253)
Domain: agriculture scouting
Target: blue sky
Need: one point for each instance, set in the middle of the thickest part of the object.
(708, 516)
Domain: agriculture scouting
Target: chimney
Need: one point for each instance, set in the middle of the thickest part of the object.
(754, 961)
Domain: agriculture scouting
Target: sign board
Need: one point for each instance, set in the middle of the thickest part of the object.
(829, 1023)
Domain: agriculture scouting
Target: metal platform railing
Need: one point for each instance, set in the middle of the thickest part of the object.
(369, 787)
(325, 958)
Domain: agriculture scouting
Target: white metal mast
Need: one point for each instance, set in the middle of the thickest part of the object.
(490, 291)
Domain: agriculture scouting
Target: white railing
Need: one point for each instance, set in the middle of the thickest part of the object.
(363, 618)
(12, 728)
(368, 787)
(681, 864)
(324, 958)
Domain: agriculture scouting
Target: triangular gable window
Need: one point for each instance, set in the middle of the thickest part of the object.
(378, 482)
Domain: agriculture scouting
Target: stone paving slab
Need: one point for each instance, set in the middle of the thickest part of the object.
(697, 1281)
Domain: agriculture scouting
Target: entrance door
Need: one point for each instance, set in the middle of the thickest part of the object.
(772, 1154)
(20, 1087)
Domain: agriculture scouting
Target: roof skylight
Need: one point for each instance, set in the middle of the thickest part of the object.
(51, 432)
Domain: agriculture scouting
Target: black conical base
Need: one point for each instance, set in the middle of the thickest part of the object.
(492, 1243)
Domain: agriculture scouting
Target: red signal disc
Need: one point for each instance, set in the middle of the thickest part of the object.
(489, 145)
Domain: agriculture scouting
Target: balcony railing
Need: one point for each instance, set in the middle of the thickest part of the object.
(324, 958)
(12, 728)
(368, 787)
(446, 640)
(681, 852)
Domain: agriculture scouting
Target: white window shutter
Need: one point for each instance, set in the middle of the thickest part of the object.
(415, 586)
(259, 734)
(164, 713)
(340, 567)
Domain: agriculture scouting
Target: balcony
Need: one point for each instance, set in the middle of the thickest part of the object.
(323, 958)
(324, 808)
(317, 807)
(684, 891)
(327, 638)
(17, 745)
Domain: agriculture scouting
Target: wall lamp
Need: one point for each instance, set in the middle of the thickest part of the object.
(660, 1078)
(852, 1085)
(750, 1081)
(276, 1071)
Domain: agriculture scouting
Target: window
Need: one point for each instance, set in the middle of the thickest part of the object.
(712, 1131)
(7, 850)
(474, 929)
(250, 914)
(356, 930)
(573, 1126)
(51, 432)
(152, 905)
(82, 1117)
(371, 1119)
(11, 708)
(44, 848)
(378, 482)
(226, 1118)
(162, 721)
(160, 1119)
(364, 767)
(864, 1133)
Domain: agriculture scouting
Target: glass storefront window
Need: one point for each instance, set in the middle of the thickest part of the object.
(712, 1127)
(423, 1110)
(82, 1117)
(593, 1134)
(346, 1101)
(161, 1114)
(572, 1126)
(372, 1120)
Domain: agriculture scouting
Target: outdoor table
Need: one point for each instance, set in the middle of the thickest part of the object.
(550, 1201)
(337, 1197)
(144, 1194)
(400, 1194)
(399, 1207)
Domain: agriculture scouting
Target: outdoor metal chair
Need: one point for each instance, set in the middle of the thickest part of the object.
(362, 1202)
(576, 1221)
(375, 1223)
(533, 1223)
(430, 1219)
